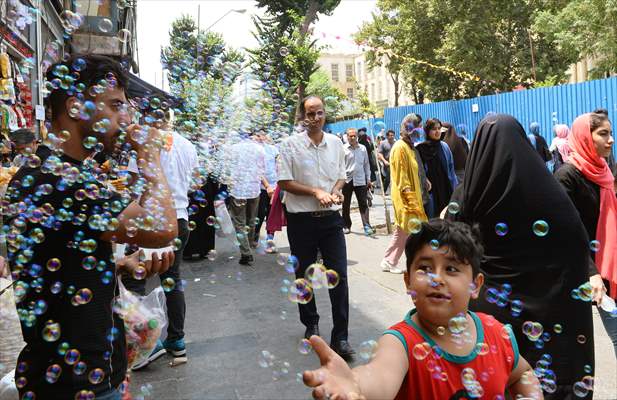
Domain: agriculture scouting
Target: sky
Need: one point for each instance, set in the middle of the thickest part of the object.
(154, 18)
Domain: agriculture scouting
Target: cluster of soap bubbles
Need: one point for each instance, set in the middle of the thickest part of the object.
(544, 373)
(471, 383)
(279, 368)
(501, 297)
(316, 276)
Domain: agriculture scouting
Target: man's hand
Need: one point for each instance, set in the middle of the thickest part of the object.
(386, 163)
(597, 288)
(369, 185)
(325, 199)
(135, 265)
(147, 141)
(338, 196)
(270, 191)
(334, 380)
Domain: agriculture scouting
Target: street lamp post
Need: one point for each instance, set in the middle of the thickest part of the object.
(239, 11)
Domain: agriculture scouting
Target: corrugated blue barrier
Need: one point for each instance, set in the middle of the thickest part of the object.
(341, 126)
(547, 106)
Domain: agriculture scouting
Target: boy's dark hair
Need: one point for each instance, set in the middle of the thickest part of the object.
(390, 131)
(463, 241)
(89, 69)
(22, 136)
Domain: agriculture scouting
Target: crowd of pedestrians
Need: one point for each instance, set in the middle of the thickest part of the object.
(498, 233)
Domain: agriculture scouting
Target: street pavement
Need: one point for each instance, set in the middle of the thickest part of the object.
(235, 313)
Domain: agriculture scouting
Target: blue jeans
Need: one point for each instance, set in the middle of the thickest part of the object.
(610, 324)
(114, 394)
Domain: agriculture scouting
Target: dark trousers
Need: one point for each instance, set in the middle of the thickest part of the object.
(263, 209)
(176, 306)
(385, 174)
(360, 192)
(306, 235)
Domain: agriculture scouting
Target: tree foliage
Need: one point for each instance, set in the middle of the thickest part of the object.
(456, 49)
(286, 56)
(201, 70)
(320, 85)
(583, 28)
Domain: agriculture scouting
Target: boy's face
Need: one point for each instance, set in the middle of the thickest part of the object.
(441, 285)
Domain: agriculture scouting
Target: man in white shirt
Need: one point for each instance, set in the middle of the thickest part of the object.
(248, 171)
(268, 185)
(178, 161)
(358, 180)
(312, 174)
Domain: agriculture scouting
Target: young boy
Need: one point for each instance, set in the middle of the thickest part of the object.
(441, 350)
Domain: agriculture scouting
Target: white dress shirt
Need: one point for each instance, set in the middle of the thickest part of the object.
(248, 167)
(318, 166)
(358, 168)
(178, 164)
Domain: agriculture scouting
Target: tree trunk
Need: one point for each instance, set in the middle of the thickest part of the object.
(414, 92)
(309, 18)
(397, 91)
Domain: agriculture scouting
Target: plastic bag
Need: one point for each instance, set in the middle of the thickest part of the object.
(224, 220)
(145, 319)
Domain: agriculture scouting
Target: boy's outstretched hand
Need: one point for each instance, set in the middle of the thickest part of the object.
(334, 380)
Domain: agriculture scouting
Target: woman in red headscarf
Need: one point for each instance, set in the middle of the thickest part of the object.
(589, 182)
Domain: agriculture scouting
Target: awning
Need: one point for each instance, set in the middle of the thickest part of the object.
(140, 88)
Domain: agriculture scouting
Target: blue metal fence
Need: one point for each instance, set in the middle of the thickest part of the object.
(341, 126)
(547, 106)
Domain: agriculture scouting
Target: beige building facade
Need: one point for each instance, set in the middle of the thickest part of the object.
(350, 73)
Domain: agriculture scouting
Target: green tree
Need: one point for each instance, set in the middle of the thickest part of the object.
(320, 85)
(583, 28)
(456, 49)
(285, 46)
(201, 70)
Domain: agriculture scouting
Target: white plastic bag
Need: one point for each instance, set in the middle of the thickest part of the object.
(223, 219)
(8, 390)
(145, 320)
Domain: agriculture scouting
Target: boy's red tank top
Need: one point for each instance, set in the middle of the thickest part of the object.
(435, 374)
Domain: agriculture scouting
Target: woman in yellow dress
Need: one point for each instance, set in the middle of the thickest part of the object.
(408, 184)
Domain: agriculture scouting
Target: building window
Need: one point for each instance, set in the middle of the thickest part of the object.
(349, 72)
(350, 93)
(372, 92)
(359, 70)
(379, 91)
(100, 16)
(334, 70)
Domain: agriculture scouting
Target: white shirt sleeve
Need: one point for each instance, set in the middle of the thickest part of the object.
(341, 163)
(285, 163)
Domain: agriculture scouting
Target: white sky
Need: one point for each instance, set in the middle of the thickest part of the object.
(154, 18)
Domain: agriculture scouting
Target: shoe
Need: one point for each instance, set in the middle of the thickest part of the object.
(311, 330)
(158, 352)
(396, 270)
(246, 260)
(385, 265)
(346, 231)
(176, 347)
(344, 350)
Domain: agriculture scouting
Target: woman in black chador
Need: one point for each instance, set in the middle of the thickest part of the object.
(536, 252)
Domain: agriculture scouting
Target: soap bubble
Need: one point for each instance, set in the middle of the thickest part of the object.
(304, 347)
(540, 228)
(367, 350)
(421, 350)
(124, 35)
(105, 25)
(454, 208)
(168, 284)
